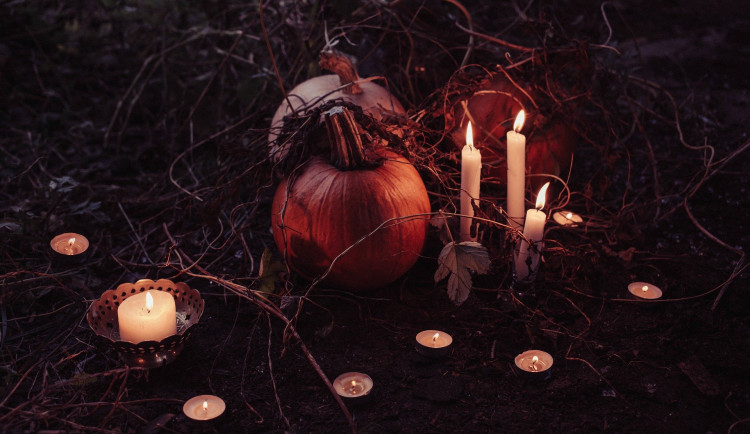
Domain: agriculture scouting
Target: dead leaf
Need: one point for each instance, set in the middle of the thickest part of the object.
(456, 260)
(269, 272)
(440, 222)
(699, 375)
(10, 226)
(627, 254)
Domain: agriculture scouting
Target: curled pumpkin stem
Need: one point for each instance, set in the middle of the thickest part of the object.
(347, 150)
(340, 65)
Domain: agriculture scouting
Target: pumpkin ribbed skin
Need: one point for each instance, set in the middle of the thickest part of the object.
(327, 210)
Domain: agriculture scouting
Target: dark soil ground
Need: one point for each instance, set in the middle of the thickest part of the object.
(143, 125)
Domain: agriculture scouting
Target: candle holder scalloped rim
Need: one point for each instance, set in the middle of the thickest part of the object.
(102, 318)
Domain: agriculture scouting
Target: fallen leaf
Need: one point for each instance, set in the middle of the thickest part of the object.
(699, 375)
(10, 226)
(456, 261)
(627, 254)
(440, 222)
(269, 272)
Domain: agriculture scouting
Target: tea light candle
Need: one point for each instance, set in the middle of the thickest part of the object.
(567, 218)
(69, 244)
(433, 343)
(353, 386)
(534, 361)
(471, 166)
(645, 290)
(516, 162)
(147, 316)
(533, 232)
(204, 407)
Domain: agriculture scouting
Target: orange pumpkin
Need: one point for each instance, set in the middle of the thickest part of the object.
(371, 205)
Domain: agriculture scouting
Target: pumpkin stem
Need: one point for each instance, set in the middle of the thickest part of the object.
(340, 65)
(347, 151)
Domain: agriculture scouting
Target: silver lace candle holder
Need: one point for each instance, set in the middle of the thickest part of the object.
(102, 318)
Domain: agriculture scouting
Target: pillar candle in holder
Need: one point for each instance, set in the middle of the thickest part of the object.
(527, 260)
(516, 161)
(471, 166)
(148, 316)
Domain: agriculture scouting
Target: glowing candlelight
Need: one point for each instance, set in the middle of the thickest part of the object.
(353, 385)
(471, 166)
(69, 244)
(516, 162)
(433, 343)
(147, 316)
(204, 407)
(149, 301)
(534, 361)
(567, 218)
(647, 291)
(533, 232)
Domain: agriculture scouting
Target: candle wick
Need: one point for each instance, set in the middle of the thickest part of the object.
(533, 363)
(70, 248)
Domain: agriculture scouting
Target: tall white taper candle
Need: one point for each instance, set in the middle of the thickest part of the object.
(471, 166)
(533, 231)
(516, 162)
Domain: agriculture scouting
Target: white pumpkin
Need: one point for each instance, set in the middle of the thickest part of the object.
(374, 99)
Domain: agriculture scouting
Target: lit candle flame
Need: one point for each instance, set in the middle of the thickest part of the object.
(469, 137)
(540, 198)
(354, 387)
(434, 339)
(534, 361)
(644, 288)
(70, 249)
(205, 407)
(518, 124)
(569, 215)
(149, 302)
